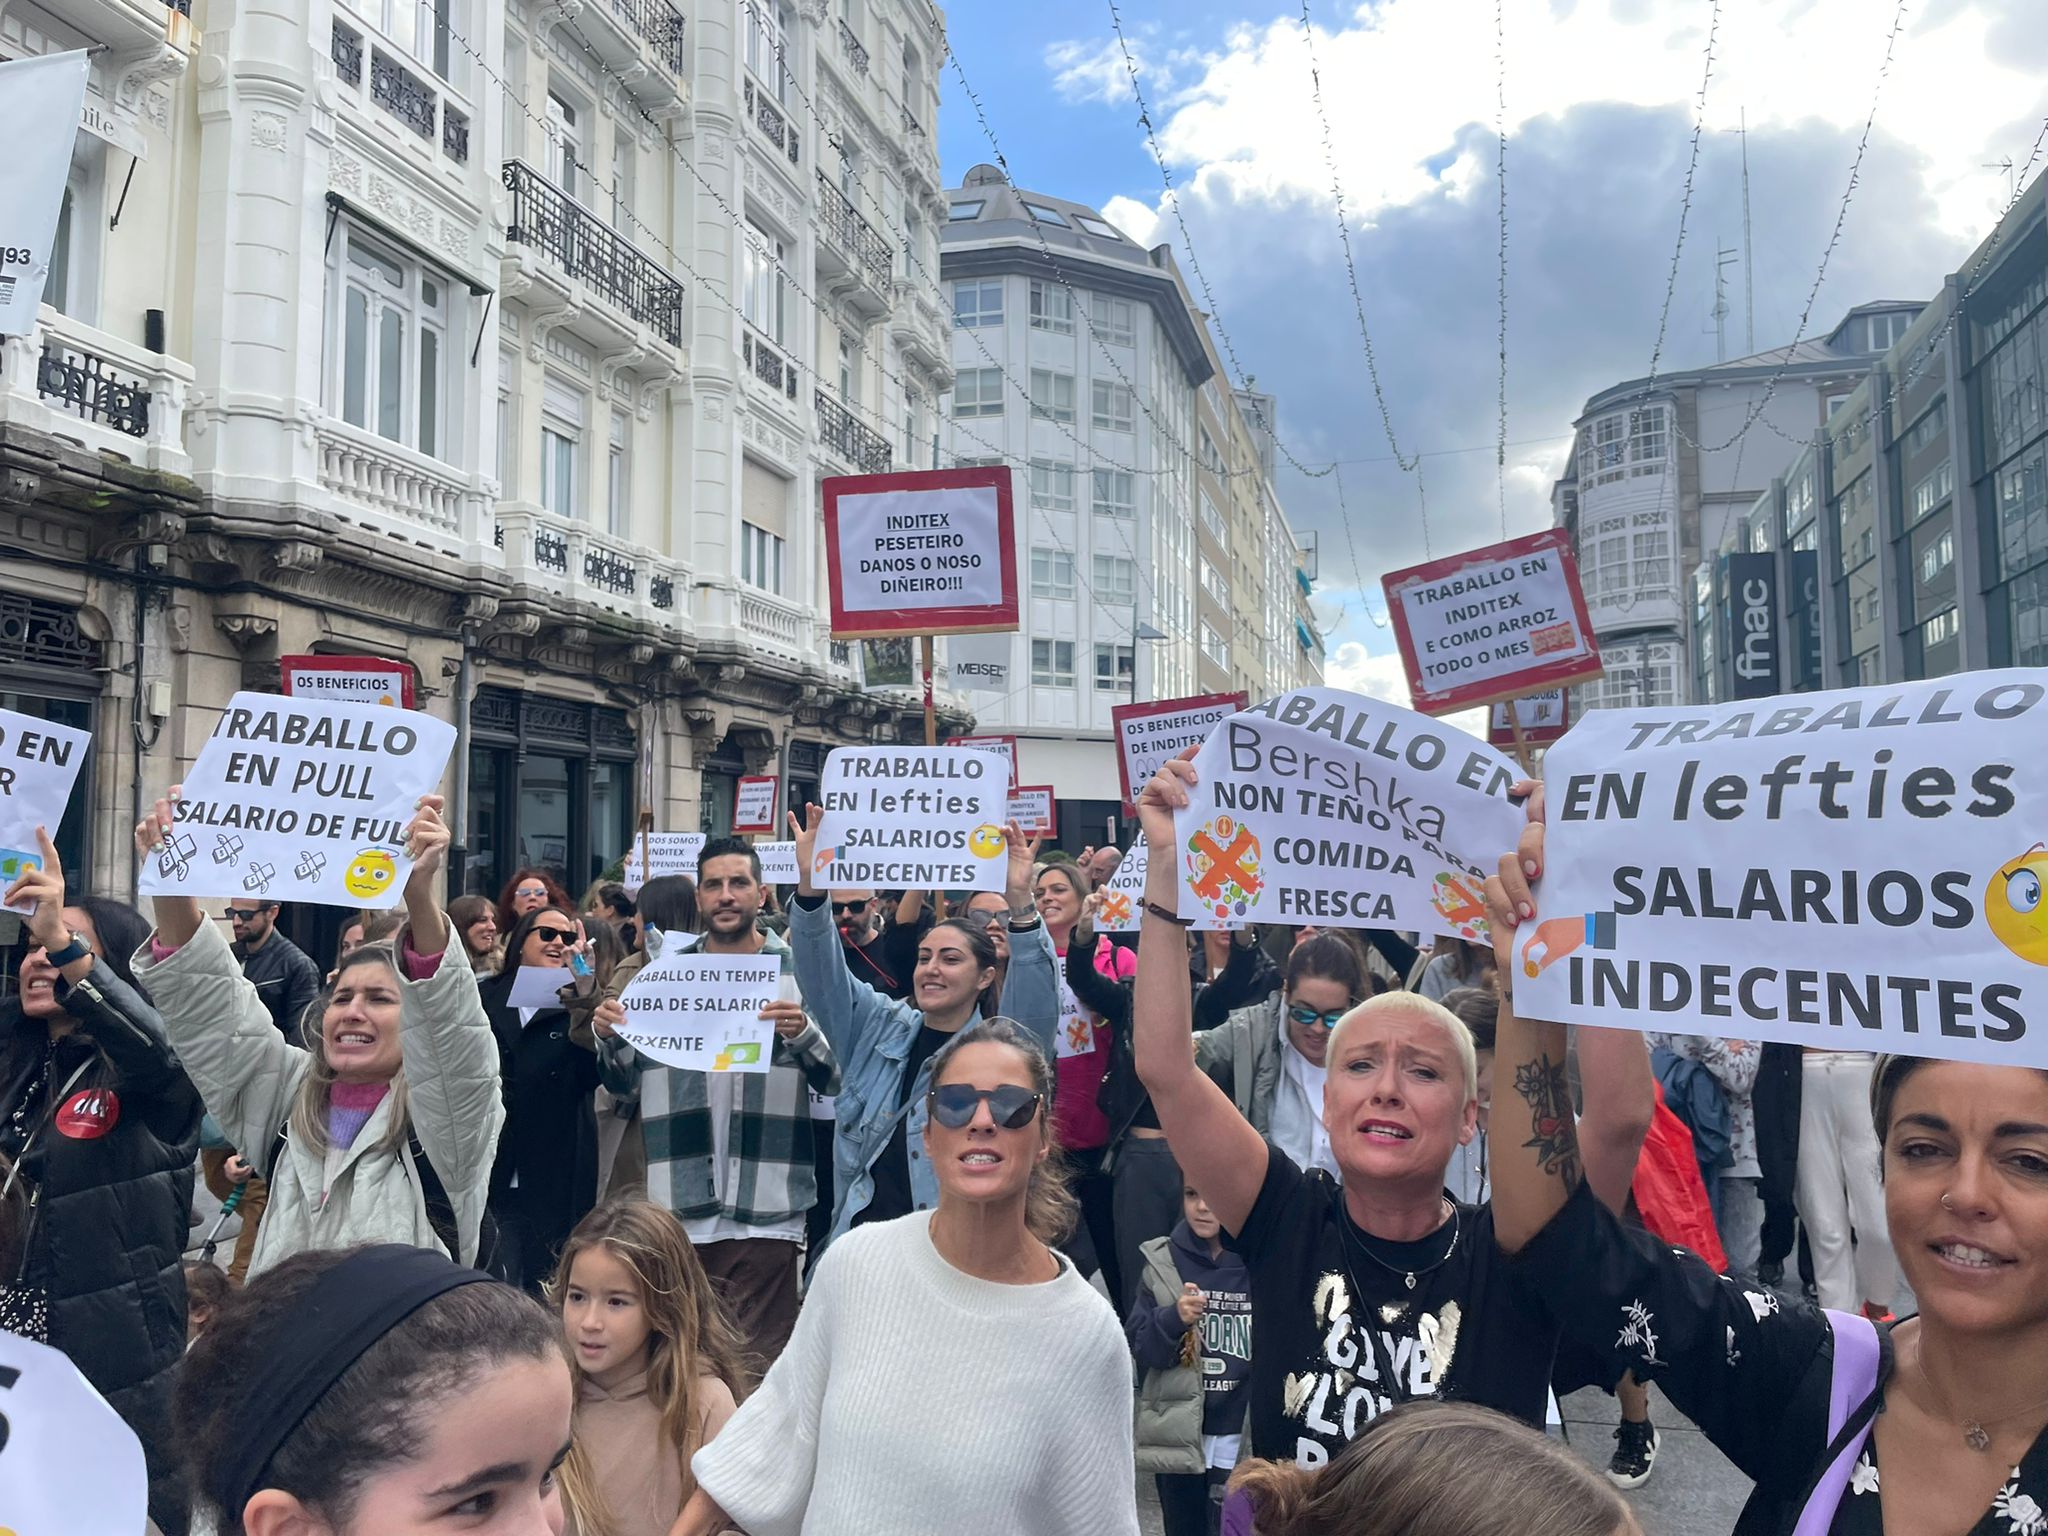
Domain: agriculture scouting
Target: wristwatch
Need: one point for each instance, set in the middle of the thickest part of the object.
(77, 949)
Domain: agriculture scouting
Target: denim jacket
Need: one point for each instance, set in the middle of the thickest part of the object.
(871, 1036)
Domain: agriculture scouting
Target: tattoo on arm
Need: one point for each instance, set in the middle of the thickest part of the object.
(1542, 1086)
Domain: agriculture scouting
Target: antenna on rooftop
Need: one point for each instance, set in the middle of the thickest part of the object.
(1724, 258)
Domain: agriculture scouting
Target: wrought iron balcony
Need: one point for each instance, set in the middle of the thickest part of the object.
(550, 550)
(87, 386)
(768, 364)
(856, 55)
(583, 246)
(402, 93)
(455, 135)
(851, 438)
(844, 223)
(769, 118)
(661, 592)
(609, 569)
(346, 49)
(660, 24)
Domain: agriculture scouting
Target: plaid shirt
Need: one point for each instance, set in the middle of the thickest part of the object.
(770, 1175)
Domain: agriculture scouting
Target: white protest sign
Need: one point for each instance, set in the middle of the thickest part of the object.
(1123, 899)
(1858, 870)
(1031, 807)
(912, 818)
(297, 800)
(702, 1012)
(39, 763)
(668, 853)
(1332, 808)
(350, 679)
(929, 552)
(1148, 734)
(778, 863)
(753, 808)
(40, 100)
(1006, 745)
(68, 1465)
(538, 986)
(1492, 623)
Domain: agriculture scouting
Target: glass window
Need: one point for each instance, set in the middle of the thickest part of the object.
(959, 212)
(913, 427)
(1052, 663)
(1052, 308)
(2022, 509)
(766, 291)
(1114, 668)
(558, 474)
(1112, 408)
(393, 372)
(1213, 582)
(1052, 572)
(1046, 215)
(978, 392)
(618, 477)
(1929, 429)
(1938, 556)
(978, 303)
(1214, 645)
(1096, 226)
(1115, 321)
(1212, 520)
(1114, 496)
(1052, 395)
(2027, 609)
(760, 557)
(1933, 490)
(1116, 579)
(1052, 486)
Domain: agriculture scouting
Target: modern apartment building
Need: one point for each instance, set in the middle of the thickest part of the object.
(1156, 559)
(509, 341)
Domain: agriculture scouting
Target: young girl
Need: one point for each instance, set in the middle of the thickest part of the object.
(656, 1365)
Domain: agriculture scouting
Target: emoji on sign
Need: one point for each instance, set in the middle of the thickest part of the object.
(2013, 908)
(985, 841)
(370, 874)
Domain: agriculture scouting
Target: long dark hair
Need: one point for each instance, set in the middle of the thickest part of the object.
(669, 903)
(557, 897)
(521, 930)
(1326, 957)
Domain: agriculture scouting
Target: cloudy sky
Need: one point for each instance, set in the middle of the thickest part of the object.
(1601, 98)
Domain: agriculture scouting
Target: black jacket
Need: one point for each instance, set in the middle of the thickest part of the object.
(111, 1167)
(550, 1135)
(286, 978)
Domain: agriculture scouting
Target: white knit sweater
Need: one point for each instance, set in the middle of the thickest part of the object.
(914, 1398)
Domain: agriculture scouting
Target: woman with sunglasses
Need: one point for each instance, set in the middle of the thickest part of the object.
(529, 891)
(545, 1180)
(950, 1370)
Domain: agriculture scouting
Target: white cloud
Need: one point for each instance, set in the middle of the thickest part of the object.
(1133, 218)
(1092, 71)
(1356, 670)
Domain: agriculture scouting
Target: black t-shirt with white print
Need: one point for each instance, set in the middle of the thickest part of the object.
(1342, 1339)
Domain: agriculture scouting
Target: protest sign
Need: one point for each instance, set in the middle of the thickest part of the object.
(67, 1462)
(1857, 870)
(1031, 807)
(1006, 745)
(911, 818)
(754, 804)
(778, 863)
(347, 679)
(1492, 623)
(930, 552)
(1332, 808)
(702, 1012)
(39, 763)
(538, 986)
(980, 662)
(668, 853)
(40, 98)
(1148, 734)
(1123, 899)
(293, 800)
(1544, 717)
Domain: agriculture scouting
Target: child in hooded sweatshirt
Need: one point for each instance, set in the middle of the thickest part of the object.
(1192, 1332)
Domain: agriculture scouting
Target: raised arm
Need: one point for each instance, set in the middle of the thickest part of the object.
(847, 1010)
(1621, 1094)
(1031, 990)
(177, 917)
(1219, 1152)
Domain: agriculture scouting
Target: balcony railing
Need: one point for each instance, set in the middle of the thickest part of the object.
(402, 93)
(769, 118)
(415, 102)
(575, 239)
(455, 135)
(856, 55)
(851, 438)
(660, 24)
(769, 365)
(581, 564)
(88, 387)
(844, 223)
(73, 381)
(609, 569)
(396, 484)
(346, 49)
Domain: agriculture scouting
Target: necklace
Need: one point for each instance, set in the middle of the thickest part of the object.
(1409, 1277)
(1975, 1435)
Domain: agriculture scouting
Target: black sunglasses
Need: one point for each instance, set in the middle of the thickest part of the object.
(549, 935)
(953, 1105)
(842, 908)
(242, 914)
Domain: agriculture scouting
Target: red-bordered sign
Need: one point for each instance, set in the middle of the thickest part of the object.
(1032, 808)
(348, 679)
(753, 803)
(1492, 623)
(928, 552)
(1546, 716)
(1148, 734)
(1007, 745)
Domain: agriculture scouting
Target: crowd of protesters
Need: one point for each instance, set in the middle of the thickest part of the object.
(1020, 1211)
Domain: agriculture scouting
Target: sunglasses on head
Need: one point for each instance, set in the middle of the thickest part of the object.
(1308, 1018)
(552, 935)
(953, 1105)
(242, 914)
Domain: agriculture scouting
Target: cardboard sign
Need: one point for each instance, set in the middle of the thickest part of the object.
(293, 800)
(1332, 808)
(39, 764)
(702, 1013)
(931, 552)
(778, 863)
(1148, 734)
(668, 853)
(1544, 717)
(911, 818)
(347, 679)
(754, 804)
(1031, 807)
(67, 1462)
(1492, 623)
(1123, 899)
(1006, 745)
(1858, 870)
(40, 100)
(980, 662)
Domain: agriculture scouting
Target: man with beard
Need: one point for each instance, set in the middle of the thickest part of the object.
(731, 1153)
(883, 955)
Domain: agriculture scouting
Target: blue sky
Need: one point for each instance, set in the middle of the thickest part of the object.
(1601, 101)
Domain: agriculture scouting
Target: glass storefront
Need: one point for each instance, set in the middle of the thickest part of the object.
(550, 788)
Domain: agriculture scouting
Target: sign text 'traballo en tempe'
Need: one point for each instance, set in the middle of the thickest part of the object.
(932, 552)
(1492, 623)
